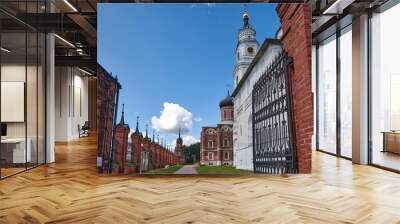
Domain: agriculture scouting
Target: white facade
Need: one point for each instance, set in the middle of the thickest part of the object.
(71, 102)
(246, 49)
(242, 126)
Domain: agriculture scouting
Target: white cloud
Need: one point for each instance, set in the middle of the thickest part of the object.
(210, 5)
(198, 119)
(173, 117)
(189, 139)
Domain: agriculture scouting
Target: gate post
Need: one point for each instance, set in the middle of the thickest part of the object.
(296, 40)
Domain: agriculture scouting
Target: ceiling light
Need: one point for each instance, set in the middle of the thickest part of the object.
(337, 7)
(64, 40)
(70, 5)
(5, 50)
(84, 71)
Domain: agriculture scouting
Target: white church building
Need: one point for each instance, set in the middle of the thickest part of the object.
(251, 62)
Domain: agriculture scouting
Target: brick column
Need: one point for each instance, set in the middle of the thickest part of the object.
(137, 149)
(146, 147)
(162, 157)
(296, 41)
(158, 153)
(218, 156)
(152, 155)
(202, 145)
(121, 146)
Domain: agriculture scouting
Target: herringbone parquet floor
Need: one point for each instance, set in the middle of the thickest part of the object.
(70, 191)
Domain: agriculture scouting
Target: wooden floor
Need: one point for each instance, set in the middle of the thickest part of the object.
(70, 191)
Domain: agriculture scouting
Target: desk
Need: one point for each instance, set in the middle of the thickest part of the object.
(391, 141)
(13, 150)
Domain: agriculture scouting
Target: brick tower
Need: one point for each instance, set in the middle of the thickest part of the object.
(137, 138)
(179, 149)
(121, 144)
(147, 147)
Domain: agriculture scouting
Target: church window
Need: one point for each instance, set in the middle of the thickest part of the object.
(226, 156)
(210, 156)
(210, 144)
(225, 142)
(224, 114)
(250, 50)
(237, 55)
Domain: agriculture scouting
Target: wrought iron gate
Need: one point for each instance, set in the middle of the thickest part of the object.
(273, 132)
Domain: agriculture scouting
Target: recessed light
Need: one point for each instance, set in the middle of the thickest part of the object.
(70, 5)
(64, 40)
(5, 50)
(84, 71)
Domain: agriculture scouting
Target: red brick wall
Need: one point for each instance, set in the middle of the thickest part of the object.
(146, 147)
(107, 89)
(121, 146)
(158, 155)
(205, 138)
(227, 114)
(137, 150)
(296, 40)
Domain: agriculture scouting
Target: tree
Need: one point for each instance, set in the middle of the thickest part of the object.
(192, 152)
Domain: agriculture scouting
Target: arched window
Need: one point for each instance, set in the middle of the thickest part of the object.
(226, 156)
(210, 144)
(224, 114)
(225, 143)
(210, 156)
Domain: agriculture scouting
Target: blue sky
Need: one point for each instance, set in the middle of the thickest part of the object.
(183, 54)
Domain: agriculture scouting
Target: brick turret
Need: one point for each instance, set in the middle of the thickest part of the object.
(147, 146)
(137, 138)
(121, 144)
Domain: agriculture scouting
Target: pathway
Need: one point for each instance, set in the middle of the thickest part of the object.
(187, 169)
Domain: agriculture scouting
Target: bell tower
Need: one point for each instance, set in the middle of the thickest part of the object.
(246, 49)
(179, 149)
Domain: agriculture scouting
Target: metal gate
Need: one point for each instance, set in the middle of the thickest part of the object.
(273, 132)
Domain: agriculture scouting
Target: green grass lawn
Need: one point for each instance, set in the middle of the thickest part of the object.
(169, 170)
(221, 170)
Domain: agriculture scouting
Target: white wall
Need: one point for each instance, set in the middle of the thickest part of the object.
(71, 102)
(242, 127)
(314, 90)
(33, 126)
